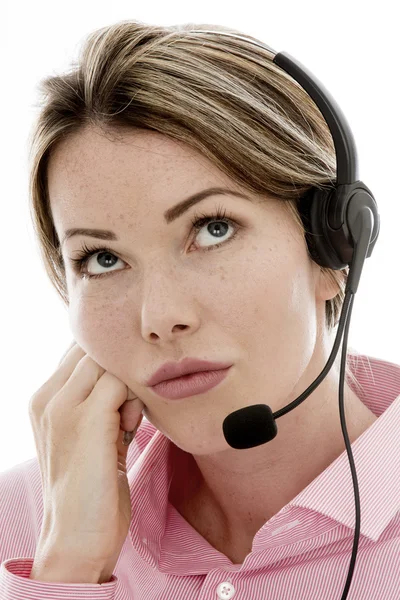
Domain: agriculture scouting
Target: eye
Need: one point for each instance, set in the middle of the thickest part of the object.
(220, 222)
(80, 263)
(216, 219)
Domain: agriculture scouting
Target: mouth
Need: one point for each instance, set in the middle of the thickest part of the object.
(190, 384)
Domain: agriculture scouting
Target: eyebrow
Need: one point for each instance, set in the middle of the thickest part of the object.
(170, 215)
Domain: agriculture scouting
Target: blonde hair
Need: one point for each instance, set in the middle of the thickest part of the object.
(220, 95)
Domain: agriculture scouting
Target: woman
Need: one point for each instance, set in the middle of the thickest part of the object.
(150, 117)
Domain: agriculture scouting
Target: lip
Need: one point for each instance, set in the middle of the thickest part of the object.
(190, 385)
(171, 370)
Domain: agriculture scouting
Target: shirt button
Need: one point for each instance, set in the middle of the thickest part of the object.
(225, 590)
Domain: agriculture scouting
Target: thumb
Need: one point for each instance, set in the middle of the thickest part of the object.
(124, 440)
(128, 436)
(130, 413)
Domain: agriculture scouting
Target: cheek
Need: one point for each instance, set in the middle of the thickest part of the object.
(99, 327)
(272, 311)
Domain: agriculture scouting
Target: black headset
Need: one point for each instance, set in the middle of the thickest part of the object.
(342, 225)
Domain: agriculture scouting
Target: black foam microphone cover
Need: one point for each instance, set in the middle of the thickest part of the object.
(250, 426)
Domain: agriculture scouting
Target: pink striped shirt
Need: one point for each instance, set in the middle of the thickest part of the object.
(302, 553)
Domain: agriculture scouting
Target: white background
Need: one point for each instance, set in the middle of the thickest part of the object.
(351, 46)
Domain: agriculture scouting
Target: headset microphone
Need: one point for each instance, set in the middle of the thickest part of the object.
(342, 226)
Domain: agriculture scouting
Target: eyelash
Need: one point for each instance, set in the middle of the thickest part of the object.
(198, 222)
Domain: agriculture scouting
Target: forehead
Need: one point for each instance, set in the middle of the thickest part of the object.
(92, 171)
(89, 156)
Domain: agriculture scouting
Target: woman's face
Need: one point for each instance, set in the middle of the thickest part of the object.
(257, 301)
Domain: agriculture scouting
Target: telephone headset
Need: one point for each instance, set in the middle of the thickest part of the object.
(342, 226)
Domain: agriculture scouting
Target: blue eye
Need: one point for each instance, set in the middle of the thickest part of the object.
(198, 222)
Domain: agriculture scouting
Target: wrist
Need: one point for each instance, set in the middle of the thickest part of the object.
(56, 568)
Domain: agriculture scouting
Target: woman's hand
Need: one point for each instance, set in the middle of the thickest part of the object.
(78, 418)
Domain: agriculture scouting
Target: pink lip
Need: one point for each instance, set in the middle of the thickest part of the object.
(171, 370)
(190, 385)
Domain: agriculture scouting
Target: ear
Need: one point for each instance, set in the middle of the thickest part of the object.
(326, 287)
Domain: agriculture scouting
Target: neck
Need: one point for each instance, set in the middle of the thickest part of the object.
(231, 500)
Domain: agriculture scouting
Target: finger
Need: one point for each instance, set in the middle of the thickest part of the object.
(128, 436)
(75, 359)
(66, 367)
(123, 442)
(65, 353)
(86, 381)
(57, 379)
(130, 412)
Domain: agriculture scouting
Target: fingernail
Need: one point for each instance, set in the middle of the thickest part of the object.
(129, 435)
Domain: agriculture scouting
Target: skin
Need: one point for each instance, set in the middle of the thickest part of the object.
(257, 302)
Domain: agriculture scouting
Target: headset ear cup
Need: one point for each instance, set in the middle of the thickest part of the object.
(323, 242)
(304, 205)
